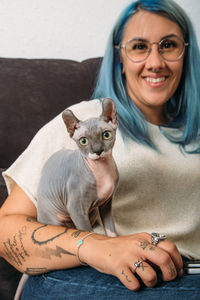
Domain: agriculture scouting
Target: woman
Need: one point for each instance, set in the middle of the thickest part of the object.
(150, 69)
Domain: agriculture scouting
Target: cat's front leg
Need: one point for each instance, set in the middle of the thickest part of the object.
(82, 222)
(79, 216)
(106, 217)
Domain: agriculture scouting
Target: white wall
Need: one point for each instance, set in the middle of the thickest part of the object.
(73, 29)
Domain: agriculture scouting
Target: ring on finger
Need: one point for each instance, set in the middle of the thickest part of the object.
(157, 237)
(138, 263)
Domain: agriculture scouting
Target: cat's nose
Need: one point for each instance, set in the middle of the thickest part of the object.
(99, 152)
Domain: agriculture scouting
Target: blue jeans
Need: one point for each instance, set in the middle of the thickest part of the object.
(86, 283)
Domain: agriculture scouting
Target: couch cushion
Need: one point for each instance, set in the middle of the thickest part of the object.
(9, 279)
(3, 189)
(33, 91)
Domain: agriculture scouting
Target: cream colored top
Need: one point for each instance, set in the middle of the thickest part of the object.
(158, 192)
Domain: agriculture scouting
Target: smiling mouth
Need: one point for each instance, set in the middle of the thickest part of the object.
(155, 80)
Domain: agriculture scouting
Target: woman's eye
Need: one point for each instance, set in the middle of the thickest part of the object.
(83, 141)
(107, 135)
(169, 45)
(139, 46)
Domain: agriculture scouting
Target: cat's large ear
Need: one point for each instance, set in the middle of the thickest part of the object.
(71, 121)
(109, 113)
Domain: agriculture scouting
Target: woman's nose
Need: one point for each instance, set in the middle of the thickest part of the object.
(155, 60)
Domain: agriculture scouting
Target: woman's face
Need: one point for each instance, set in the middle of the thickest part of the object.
(148, 89)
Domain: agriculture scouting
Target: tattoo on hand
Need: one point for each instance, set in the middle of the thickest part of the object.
(144, 245)
(48, 252)
(152, 248)
(37, 230)
(126, 276)
(142, 266)
(172, 271)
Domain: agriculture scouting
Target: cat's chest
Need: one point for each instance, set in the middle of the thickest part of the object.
(106, 175)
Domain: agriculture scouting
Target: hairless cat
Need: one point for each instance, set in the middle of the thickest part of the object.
(77, 185)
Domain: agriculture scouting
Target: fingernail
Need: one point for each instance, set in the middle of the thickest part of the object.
(180, 273)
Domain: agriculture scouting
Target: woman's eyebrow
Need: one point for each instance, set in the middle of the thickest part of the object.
(146, 40)
(169, 36)
(139, 38)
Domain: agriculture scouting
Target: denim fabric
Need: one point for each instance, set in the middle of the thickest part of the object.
(86, 283)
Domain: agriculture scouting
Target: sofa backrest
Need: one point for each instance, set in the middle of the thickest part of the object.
(33, 91)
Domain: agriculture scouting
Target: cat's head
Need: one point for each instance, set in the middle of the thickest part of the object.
(95, 137)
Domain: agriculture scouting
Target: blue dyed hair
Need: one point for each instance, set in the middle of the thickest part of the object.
(183, 107)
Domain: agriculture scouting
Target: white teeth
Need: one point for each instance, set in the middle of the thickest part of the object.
(155, 80)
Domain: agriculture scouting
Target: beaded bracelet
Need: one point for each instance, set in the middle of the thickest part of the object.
(79, 244)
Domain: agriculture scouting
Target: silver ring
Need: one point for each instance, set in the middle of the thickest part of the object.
(157, 237)
(137, 264)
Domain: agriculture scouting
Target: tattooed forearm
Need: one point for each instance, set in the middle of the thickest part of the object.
(49, 252)
(31, 219)
(126, 276)
(22, 232)
(14, 248)
(35, 271)
(38, 230)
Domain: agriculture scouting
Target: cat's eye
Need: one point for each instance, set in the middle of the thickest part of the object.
(107, 135)
(83, 141)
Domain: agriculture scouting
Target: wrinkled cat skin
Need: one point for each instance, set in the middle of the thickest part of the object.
(76, 185)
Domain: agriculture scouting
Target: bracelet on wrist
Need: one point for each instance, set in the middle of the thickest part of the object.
(79, 244)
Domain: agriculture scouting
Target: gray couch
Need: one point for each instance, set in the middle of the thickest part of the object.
(32, 92)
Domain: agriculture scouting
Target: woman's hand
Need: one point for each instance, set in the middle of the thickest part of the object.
(117, 256)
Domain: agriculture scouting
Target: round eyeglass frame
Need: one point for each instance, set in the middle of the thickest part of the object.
(150, 48)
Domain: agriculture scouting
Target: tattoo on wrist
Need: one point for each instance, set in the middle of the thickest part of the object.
(75, 234)
(14, 248)
(49, 252)
(37, 230)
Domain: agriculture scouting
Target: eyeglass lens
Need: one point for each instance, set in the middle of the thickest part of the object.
(170, 48)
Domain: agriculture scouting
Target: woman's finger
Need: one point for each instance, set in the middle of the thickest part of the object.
(168, 247)
(145, 272)
(159, 257)
(172, 250)
(128, 279)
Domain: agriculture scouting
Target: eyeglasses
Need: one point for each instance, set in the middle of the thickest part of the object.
(170, 48)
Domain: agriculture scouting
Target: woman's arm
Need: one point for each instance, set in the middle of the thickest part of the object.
(32, 247)
(35, 248)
